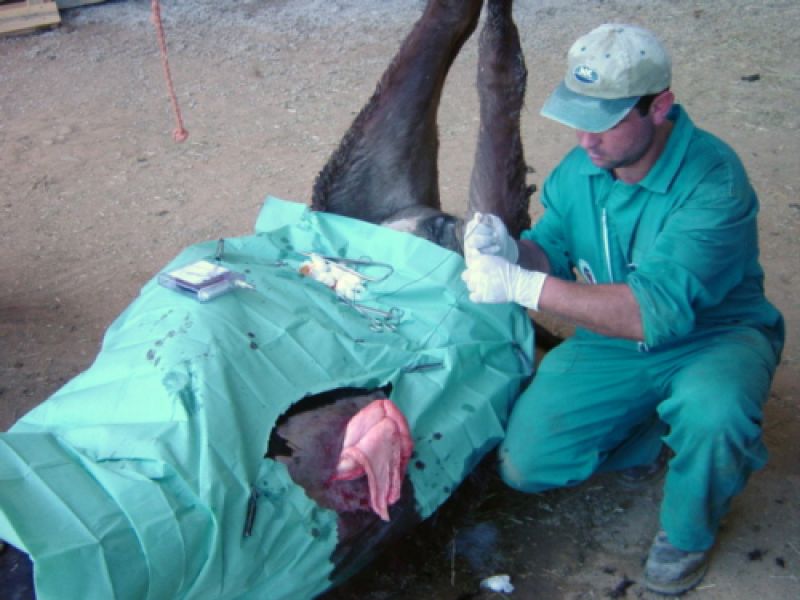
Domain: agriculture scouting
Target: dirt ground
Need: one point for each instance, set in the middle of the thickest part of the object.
(96, 197)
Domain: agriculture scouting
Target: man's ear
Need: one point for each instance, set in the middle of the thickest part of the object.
(661, 106)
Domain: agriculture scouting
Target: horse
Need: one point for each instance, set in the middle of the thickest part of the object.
(384, 172)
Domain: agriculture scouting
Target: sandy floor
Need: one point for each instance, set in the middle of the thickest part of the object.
(95, 197)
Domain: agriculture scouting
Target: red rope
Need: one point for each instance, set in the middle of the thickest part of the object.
(179, 134)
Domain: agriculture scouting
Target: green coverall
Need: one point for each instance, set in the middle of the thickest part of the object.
(685, 240)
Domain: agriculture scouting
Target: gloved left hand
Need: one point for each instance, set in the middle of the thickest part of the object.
(494, 280)
(486, 234)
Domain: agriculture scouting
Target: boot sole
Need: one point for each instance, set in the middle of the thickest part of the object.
(676, 588)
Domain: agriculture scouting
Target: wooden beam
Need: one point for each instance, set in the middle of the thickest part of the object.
(26, 16)
(62, 4)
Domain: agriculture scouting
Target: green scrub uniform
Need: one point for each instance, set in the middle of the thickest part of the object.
(685, 240)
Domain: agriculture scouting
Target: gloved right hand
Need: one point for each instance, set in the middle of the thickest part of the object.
(494, 280)
(487, 235)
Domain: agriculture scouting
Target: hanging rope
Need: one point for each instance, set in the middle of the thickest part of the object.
(179, 134)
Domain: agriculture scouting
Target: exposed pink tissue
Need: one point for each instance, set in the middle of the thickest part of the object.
(377, 442)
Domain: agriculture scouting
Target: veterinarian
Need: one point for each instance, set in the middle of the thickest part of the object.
(648, 243)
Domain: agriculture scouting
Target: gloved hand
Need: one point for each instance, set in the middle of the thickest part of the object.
(487, 235)
(494, 280)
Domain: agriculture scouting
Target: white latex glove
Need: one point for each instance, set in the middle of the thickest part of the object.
(494, 280)
(487, 235)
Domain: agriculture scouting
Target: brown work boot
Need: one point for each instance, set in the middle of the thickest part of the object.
(671, 571)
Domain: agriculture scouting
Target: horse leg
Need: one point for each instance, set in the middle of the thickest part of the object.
(497, 184)
(385, 168)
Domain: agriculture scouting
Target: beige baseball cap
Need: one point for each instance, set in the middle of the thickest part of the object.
(608, 70)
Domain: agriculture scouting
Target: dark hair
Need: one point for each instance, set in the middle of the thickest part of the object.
(644, 102)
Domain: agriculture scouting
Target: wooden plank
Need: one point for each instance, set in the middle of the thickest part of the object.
(27, 16)
(62, 4)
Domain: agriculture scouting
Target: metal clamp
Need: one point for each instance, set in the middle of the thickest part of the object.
(250, 517)
(379, 320)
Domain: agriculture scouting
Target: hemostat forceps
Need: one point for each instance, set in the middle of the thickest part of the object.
(379, 320)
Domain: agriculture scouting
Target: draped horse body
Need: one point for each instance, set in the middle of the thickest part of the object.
(201, 454)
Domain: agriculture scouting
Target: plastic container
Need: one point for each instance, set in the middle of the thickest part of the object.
(203, 280)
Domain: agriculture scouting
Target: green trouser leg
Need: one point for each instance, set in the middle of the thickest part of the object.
(714, 413)
(587, 398)
(597, 404)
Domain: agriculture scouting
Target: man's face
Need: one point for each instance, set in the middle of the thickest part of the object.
(621, 146)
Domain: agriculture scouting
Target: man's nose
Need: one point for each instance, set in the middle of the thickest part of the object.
(588, 140)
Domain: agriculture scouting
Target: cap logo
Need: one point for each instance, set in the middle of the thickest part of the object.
(585, 74)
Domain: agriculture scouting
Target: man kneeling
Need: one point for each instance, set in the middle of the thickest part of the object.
(676, 343)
